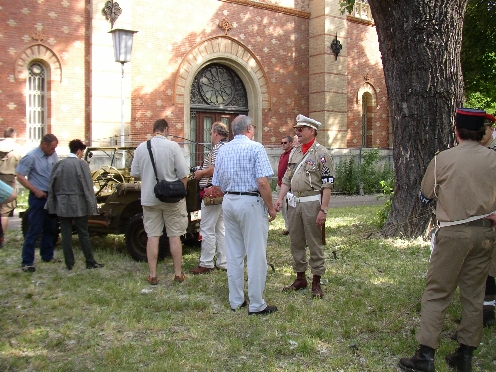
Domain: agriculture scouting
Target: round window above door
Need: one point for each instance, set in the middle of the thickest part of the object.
(218, 87)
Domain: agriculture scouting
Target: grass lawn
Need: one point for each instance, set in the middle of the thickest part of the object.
(111, 319)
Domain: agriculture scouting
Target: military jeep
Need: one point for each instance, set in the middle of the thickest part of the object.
(119, 206)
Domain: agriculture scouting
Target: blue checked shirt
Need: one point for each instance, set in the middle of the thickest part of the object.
(239, 164)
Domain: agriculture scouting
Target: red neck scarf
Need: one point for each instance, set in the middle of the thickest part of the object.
(305, 147)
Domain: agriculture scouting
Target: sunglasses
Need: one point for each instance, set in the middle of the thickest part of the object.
(284, 143)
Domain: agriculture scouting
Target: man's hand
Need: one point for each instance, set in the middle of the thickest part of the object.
(492, 217)
(278, 205)
(321, 218)
(272, 214)
(40, 194)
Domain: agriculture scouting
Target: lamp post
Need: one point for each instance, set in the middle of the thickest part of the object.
(123, 44)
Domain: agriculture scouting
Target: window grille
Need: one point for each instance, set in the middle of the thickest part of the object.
(36, 102)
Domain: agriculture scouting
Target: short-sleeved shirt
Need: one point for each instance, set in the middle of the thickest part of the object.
(169, 161)
(5, 191)
(210, 161)
(239, 164)
(315, 173)
(464, 180)
(37, 166)
(13, 151)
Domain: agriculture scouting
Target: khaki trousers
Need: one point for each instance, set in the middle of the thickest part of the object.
(304, 231)
(461, 257)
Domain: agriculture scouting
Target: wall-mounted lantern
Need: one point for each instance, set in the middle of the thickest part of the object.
(336, 47)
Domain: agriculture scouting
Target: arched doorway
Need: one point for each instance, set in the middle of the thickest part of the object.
(217, 94)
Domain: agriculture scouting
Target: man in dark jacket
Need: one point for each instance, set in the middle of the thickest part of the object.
(71, 198)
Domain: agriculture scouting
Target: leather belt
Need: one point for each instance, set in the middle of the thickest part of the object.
(250, 193)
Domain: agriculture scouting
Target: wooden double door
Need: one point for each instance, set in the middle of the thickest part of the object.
(201, 124)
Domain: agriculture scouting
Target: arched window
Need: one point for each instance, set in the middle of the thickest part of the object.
(36, 102)
(367, 115)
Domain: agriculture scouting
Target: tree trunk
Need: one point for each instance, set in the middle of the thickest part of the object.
(420, 42)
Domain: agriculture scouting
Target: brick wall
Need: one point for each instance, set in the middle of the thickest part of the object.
(365, 74)
(61, 25)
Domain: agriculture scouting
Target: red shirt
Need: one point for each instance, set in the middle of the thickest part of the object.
(283, 165)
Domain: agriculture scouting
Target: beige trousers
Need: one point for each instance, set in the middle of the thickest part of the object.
(303, 231)
(461, 257)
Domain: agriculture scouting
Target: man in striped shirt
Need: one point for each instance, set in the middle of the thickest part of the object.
(212, 221)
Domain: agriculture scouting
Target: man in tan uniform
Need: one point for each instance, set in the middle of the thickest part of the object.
(310, 173)
(10, 156)
(463, 244)
(490, 295)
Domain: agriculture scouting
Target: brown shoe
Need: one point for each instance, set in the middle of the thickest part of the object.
(316, 290)
(179, 278)
(299, 283)
(285, 232)
(152, 280)
(201, 270)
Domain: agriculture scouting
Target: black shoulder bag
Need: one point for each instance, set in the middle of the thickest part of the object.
(167, 192)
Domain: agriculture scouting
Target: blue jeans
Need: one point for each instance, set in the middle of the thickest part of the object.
(39, 224)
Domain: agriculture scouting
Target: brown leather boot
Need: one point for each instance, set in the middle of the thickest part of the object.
(299, 283)
(316, 290)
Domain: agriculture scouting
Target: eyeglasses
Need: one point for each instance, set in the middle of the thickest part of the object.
(284, 143)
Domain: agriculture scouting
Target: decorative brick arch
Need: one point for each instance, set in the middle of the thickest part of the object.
(367, 88)
(38, 52)
(221, 49)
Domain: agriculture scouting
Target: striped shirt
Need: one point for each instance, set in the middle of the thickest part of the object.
(208, 161)
(239, 164)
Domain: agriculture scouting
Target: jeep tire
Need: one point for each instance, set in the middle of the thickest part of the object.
(136, 240)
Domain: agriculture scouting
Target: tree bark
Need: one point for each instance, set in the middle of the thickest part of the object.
(420, 42)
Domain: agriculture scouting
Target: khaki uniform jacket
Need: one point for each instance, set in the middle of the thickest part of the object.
(316, 173)
(12, 154)
(464, 180)
(70, 193)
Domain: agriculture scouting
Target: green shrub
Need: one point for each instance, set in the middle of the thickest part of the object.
(346, 180)
(387, 192)
(370, 172)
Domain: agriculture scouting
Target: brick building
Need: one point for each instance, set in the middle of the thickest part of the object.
(192, 62)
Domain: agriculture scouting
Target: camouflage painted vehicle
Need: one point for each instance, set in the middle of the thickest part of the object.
(119, 206)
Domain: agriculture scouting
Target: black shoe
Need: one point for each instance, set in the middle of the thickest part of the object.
(461, 359)
(240, 306)
(422, 361)
(267, 310)
(94, 265)
(28, 269)
(488, 318)
(69, 268)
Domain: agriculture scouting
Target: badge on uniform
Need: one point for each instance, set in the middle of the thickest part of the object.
(310, 163)
(322, 159)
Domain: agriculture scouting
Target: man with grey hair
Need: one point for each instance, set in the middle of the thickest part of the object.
(308, 184)
(212, 219)
(241, 171)
(33, 172)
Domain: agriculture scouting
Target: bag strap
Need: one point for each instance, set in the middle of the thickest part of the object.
(149, 147)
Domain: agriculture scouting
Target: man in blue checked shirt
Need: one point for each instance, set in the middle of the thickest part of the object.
(241, 171)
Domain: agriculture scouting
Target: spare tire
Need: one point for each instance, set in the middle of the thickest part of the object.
(136, 240)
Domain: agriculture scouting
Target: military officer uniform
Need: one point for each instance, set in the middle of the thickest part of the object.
(463, 244)
(308, 173)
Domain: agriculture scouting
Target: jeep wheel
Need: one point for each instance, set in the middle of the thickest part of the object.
(136, 240)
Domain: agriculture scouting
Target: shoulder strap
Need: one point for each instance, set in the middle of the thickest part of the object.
(149, 147)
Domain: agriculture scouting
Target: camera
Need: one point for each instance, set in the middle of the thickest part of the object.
(194, 169)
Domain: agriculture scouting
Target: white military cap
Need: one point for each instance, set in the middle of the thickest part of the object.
(303, 121)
